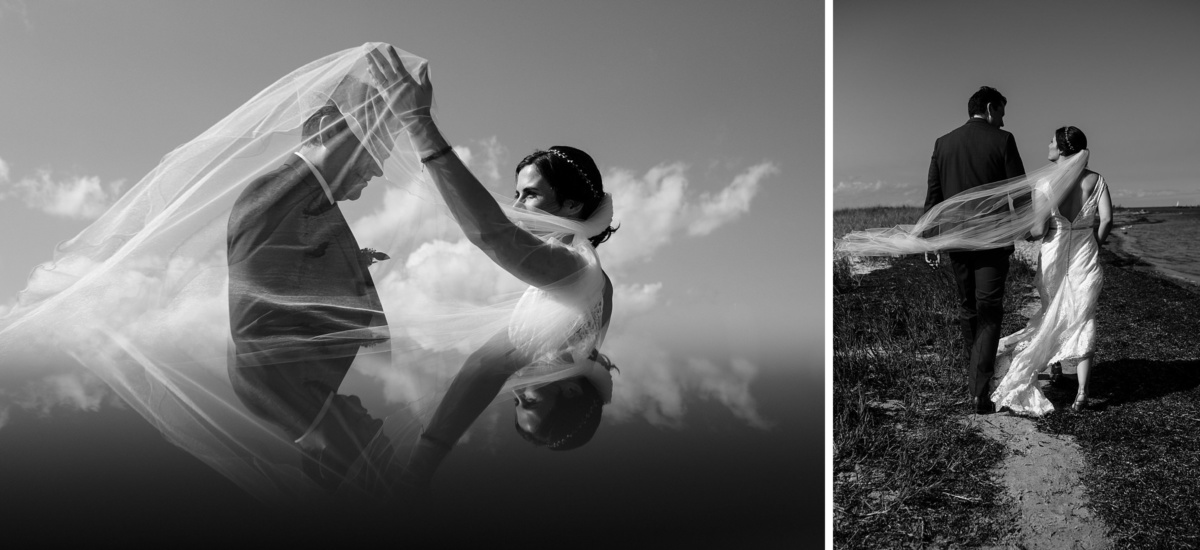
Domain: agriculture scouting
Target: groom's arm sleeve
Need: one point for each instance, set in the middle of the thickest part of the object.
(1012, 159)
(933, 195)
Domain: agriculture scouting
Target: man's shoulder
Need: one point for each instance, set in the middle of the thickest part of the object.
(975, 131)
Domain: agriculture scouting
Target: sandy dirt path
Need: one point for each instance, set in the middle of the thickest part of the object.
(1041, 474)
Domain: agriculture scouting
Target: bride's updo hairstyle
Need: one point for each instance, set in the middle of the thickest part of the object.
(573, 175)
(1070, 140)
(571, 423)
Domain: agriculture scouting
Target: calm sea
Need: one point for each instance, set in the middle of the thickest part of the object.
(1165, 237)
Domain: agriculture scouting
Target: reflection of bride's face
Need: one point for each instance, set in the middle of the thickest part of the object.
(533, 404)
(1054, 153)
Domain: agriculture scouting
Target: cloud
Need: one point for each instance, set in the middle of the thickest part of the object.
(636, 298)
(654, 208)
(654, 386)
(730, 387)
(80, 197)
(865, 187)
(733, 201)
(15, 9)
(73, 391)
(1151, 193)
(495, 156)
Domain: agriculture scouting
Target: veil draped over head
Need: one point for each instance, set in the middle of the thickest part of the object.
(233, 305)
(983, 217)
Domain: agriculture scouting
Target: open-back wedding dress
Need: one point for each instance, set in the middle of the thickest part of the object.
(1064, 329)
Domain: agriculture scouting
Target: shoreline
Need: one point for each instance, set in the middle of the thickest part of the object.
(1125, 247)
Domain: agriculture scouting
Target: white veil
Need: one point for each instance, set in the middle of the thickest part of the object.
(984, 217)
(144, 299)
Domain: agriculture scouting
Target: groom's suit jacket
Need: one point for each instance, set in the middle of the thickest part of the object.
(974, 154)
(301, 300)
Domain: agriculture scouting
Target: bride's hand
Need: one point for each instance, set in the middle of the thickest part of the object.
(408, 98)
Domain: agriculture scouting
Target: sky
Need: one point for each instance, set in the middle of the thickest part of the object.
(699, 108)
(1123, 72)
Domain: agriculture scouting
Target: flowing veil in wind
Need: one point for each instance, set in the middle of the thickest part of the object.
(984, 217)
(143, 299)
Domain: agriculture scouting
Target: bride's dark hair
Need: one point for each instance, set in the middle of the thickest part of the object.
(1070, 140)
(573, 175)
(571, 423)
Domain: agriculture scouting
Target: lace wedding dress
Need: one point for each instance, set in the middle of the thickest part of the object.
(1064, 329)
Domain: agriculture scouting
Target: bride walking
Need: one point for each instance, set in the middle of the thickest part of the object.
(1069, 281)
(1060, 204)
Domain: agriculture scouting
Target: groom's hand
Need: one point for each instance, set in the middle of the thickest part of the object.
(935, 261)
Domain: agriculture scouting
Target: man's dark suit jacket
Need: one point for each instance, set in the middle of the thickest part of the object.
(300, 295)
(974, 154)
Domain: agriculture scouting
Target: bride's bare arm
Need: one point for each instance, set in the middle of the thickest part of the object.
(1041, 207)
(472, 390)
(473, 207)
(1104, 209)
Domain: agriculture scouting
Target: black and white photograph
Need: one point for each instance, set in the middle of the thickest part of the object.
(1015, 277)
(433, 274)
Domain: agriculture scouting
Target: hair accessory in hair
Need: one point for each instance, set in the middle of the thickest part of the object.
(583, 422)
(1067, 137)
(563, 156)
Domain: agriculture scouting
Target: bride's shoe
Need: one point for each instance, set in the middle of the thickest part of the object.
(1056, 374)
(1081, 403)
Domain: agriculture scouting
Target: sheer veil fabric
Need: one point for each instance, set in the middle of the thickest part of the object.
(151, 299)
(984, 217)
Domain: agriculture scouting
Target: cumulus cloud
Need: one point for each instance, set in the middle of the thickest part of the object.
(494, 160)
(717, 209)
(652, 209)
(730, 386)
(79, 197)
(72, 391)
(654, 386)
(867, 187)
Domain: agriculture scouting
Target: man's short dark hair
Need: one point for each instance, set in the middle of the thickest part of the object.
(978, 103)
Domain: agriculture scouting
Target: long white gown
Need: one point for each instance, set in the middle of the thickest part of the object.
(1064, 329)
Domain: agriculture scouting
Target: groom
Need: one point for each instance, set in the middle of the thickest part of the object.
(974, 154)
(301, 301)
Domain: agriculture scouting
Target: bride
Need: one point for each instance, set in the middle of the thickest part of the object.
(567, 289)
(312, 357)
(1058, 203)
(1068, 282)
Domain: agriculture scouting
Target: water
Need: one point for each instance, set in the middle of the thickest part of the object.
(1166, 239)
(713, 482)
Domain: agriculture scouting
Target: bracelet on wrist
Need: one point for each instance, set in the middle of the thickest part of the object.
(438, 154)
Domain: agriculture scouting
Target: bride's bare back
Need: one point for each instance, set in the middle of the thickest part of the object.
(1074, 199)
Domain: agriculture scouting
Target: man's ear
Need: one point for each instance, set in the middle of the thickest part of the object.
(331, 126)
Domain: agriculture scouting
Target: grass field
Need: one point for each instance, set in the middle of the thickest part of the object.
(908, 472)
